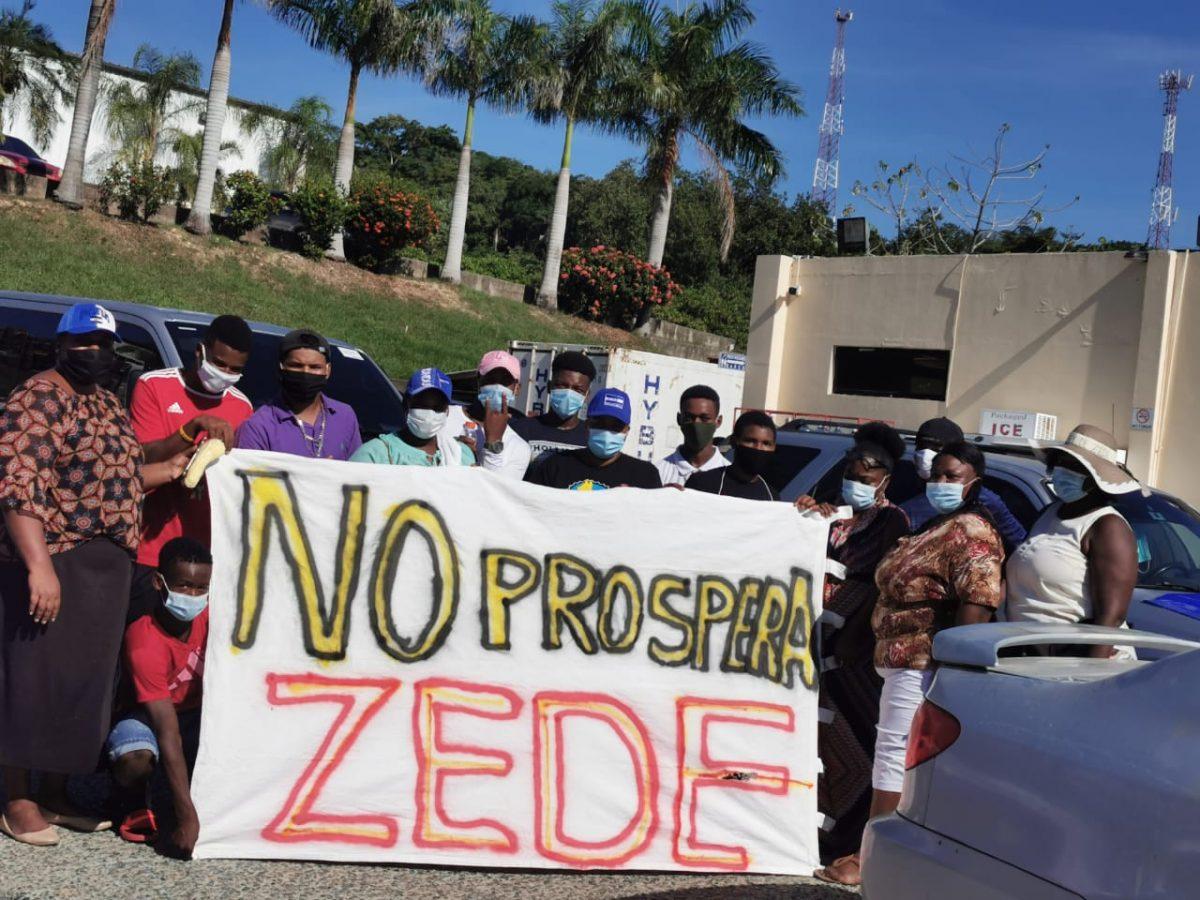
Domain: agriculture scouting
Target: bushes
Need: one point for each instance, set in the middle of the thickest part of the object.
(722, 307)
(138, 191)
(515, 265)
(322, 211)
(607, 285)
(385, 220)
(249, 201)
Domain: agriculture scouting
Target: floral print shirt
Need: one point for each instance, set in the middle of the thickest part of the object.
(925, 579)
(71, 461)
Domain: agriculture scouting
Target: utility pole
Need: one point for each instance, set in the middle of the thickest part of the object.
(1162, 207)
(825, 173)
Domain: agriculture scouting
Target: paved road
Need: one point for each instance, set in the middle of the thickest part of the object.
(91, 867)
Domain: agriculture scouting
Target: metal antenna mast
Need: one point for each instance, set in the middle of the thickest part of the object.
(825, 173)
(1162, 207)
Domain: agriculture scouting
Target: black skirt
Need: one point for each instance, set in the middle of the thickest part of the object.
(56, 681)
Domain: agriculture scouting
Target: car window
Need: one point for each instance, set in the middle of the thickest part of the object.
(1014, 498)
(788, 462)
(355, 380)
(1168, 537)
(26, 344)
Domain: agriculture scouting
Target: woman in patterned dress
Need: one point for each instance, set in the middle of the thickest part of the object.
(71, 485)
(946, 574)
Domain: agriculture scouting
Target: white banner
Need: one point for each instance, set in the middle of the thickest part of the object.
(439, 666)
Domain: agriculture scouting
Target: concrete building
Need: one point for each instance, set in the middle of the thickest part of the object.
(1102, 338)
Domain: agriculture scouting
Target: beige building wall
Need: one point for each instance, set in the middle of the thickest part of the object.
(1177, 426)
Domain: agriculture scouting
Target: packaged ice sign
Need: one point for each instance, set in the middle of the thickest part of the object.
(600, 682)
(1017, 427)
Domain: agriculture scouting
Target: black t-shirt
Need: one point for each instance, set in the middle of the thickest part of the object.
(545, 437)
(730, 481)
(576, 470)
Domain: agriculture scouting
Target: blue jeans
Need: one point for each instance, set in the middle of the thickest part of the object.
(134, 732)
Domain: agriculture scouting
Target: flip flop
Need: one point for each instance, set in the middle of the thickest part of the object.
(46, 837)
(834, 873)
(85, 824)
(139, 827)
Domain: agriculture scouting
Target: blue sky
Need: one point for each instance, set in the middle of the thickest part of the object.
(926, 78)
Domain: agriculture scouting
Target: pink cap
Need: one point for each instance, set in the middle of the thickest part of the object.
(499, 359)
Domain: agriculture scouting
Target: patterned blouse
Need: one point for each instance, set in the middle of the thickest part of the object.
(72, 461)
(923, 582)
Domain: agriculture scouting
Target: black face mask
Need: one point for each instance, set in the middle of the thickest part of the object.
(86, 367)
(697, 435)
(301, 387)
(751, 460)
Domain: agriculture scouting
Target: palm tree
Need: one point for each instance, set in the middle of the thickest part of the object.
(581, 60)
(35, 74)
(372, 35)
(100, 16)
(483, 56)
(189, 161)
(302, 139)
(140, 117)
(200, 220)
(697, 81)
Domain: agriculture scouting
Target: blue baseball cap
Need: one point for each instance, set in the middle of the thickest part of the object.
(428, 379)
(613, 403)
(85, 318)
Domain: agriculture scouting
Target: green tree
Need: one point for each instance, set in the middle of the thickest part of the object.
(189, 155)
(200, 220)
(140, 117)
(302, 141)
(91, 64)
(612, 210)
(696, 81)
(35, 74)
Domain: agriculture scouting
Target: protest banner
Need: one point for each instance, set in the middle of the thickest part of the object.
(439, 666)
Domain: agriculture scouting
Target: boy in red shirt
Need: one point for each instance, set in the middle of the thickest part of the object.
(163, 669)
(173, 409)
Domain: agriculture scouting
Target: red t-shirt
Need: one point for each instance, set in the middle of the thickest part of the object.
(161, 404)
(160, 667)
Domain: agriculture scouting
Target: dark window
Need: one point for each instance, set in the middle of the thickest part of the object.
(1168, 539)
(1014, 498)
(789, 461)
(890, 372)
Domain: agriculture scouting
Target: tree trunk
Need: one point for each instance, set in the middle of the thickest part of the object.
(548, 293)
(452, 267)
(70, 189)
(659, 221)
(200, 220)
(345, 157)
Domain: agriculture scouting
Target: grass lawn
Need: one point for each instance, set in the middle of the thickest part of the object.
(403, 323)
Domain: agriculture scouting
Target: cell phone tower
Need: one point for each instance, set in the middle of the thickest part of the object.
(825, 173)
(1162, 207)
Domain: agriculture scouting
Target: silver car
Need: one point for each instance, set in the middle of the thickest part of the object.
(1045, 777)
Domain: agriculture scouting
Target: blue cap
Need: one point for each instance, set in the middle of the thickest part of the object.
(84, 318)
(428, 379)
(613, 403)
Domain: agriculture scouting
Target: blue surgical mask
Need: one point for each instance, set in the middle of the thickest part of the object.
(857, 495)
(494, 396)
(605, 444)
(1068, 485)
(944, 496)
(425, 423)
(185, 607)
(565, 402)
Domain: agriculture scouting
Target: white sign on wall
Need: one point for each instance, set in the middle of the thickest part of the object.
(1142, 418)
(438, 666)
(1017, 426)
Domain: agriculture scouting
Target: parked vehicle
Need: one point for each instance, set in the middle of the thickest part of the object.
(1167, 597)
(1039, 778)
(653, 382)
(152, 337)
(26, 161)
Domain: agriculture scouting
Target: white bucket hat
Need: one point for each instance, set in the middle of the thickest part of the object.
(1096, 451)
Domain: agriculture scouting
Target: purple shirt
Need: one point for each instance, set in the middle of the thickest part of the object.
(274, 427)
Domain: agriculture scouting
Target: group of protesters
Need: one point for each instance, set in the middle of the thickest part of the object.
(105, 567)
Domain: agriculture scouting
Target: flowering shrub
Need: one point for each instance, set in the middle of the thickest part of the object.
(249, 201)
(138, 191)
(607, 285)
(322, 211)
(386, 220)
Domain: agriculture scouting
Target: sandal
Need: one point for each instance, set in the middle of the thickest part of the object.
(139, 827)
(844, 870)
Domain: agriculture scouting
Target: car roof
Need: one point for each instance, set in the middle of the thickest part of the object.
(160, 313)
(1013, 459)
(16, 145)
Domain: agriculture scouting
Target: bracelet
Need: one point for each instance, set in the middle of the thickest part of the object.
(183, 434)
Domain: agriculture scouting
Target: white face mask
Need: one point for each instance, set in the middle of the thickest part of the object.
(425, 423)
(923, 460)
(214, 380)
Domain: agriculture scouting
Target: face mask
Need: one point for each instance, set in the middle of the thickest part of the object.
(214, 380)
(923, 460)
(301, 387)
(605, 444)
(86, 367)
(494, 396)
(945, 497)
(1068, 485)
(185, 607)
(565, 402)
(697, 435)
(425, 423)
(751, 460)
(858, 496)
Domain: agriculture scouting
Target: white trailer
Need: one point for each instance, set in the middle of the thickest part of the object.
(653, 382)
